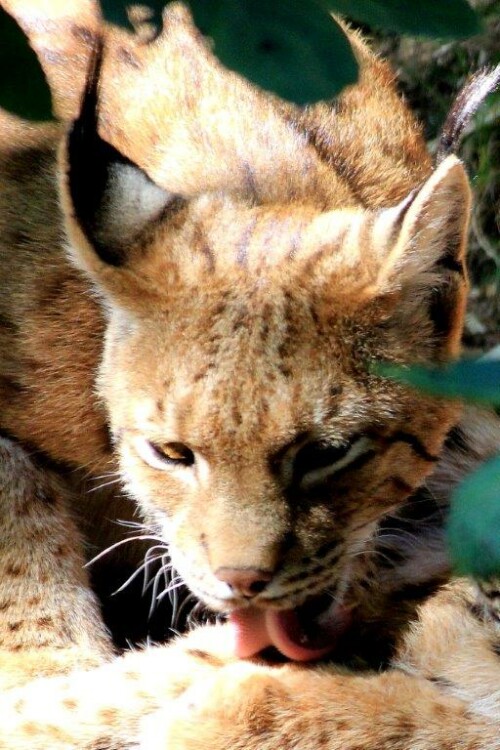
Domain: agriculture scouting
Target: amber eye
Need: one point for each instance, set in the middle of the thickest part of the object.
(174, 453)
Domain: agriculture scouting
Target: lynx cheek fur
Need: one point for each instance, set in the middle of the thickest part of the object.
(197, 279)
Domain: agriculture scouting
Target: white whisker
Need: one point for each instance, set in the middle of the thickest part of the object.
(172, 586)
(103, 485)
(120, 543)
(142, 568)
(149, 559)
(159, 576)
(170, 589)
(189, 598)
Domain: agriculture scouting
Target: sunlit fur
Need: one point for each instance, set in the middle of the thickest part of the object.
(248, 266)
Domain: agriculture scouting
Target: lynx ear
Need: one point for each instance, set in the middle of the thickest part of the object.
(111, 200)
(426, 262)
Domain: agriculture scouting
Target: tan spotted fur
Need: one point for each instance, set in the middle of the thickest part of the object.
(279, 254)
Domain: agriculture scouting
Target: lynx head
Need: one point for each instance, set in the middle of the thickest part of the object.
(237, 368)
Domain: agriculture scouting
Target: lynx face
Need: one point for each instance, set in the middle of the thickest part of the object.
(237, 375)
(252, 435)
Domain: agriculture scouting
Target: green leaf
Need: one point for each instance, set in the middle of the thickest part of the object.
(23, 86)
(293, 48)
(445, 19)
(471, 380)
(474, 523)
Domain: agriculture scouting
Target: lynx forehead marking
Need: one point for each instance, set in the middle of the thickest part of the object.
(127, 56)
(243, 243)
(201, 243)
(52, 57)
(84, 34)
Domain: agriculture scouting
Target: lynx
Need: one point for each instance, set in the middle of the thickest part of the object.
(198, 280)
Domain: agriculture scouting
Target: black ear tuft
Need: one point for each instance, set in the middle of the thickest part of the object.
(114, 201)
(465, 106)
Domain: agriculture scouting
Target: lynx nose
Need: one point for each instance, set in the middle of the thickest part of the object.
(247, 582)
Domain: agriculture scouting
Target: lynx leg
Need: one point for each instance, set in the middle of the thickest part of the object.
(49, 619)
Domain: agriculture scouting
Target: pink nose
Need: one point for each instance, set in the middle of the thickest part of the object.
(247, 582)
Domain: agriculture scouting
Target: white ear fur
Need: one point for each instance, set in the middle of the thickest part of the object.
(431, 229)
(422, 277)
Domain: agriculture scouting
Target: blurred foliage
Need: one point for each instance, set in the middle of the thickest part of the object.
(23, 88)
(442, 20)
(474, 523)
(291, 47)
(472, 380)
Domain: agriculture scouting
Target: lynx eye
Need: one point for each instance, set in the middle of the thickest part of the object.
(174, 453)
(315, 461)
(164, 455)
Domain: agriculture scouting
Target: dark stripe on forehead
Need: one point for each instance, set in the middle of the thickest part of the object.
(244, 243)
(200, 243)
(338, 162)
(295, 242)
(250, 180)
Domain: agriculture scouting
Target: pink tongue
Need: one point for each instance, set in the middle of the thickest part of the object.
(255, 629)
